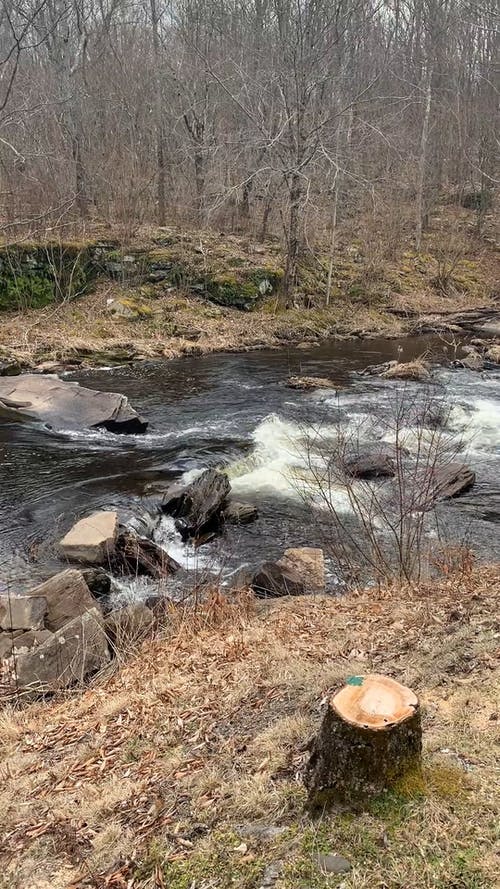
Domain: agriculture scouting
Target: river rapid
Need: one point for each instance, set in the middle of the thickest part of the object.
(235, 411)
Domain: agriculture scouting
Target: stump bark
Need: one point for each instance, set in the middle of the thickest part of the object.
(370, 736)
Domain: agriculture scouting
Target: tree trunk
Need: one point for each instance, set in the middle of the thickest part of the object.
(160, 147)
(292, 254)
(199, 171)
(370, 736)
(422, 163)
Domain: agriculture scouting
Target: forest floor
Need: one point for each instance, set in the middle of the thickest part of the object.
(374, 293)
(182, 769)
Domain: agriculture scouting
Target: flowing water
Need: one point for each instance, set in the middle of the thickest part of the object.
(235, 411)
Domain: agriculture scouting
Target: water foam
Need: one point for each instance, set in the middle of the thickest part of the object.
(478, 423)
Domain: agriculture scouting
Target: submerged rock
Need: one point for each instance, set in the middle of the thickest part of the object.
(92, 539)
(237, 513)
(60, 405)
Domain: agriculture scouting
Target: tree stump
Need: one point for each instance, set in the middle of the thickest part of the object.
(370, 736)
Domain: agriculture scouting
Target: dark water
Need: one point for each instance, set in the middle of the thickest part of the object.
(235, 411)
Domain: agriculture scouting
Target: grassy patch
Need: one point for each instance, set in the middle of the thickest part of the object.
(155, 775)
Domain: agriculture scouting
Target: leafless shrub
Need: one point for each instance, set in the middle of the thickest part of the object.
(384, 527)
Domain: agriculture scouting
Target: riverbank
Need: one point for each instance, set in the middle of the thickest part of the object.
(175, 292)
(183, 768)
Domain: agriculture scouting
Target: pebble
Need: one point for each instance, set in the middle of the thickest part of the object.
(334, 864)
(261, 831)
(271, 874)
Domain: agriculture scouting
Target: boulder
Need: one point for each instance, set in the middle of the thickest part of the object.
(97, 580)
(60, 404)
(9, 367)
(451, 480)
(7, 642)
(488, 328)
(236, 513)
(74, 652)
(198, 506)
(308, 384)
(130, 309)
(67, 596)
(138, 555)
(368, 466)
(22, 612)
(416, 370)
(159, 605)
(472, 361)
(309, 563)
(273, 579)
(444, 483)
(30, 639)
(128, 625)
(92, 539)
(493, 353)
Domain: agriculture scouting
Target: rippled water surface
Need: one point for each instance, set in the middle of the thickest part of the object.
(236, 411)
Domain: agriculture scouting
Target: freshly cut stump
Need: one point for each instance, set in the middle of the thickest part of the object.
(370, 736)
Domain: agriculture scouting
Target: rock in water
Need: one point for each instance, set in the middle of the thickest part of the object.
(138, 555)
(274, 579)
(97, 580)
(376, 465)
(198, 505)
(452, 480)
(72, 653)
(416, 370)
(60, 404)
(309, 384)
(309, 563)
(92, 539)
(237, 513)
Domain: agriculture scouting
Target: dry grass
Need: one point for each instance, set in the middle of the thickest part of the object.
(384, 299)
(84, 329)
(146, 781)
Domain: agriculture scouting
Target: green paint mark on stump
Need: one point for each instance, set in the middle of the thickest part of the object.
(355, 680)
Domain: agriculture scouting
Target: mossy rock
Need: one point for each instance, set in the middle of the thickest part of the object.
(130, 309)
(34, 275)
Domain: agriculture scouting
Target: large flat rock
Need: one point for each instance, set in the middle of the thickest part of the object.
(66, 595)
(77, 650)
(92, 539)
(61, 405)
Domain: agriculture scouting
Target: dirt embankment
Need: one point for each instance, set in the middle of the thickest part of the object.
(183, 769)
(176, 293)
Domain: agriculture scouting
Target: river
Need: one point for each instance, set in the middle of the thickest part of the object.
(235, 411)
